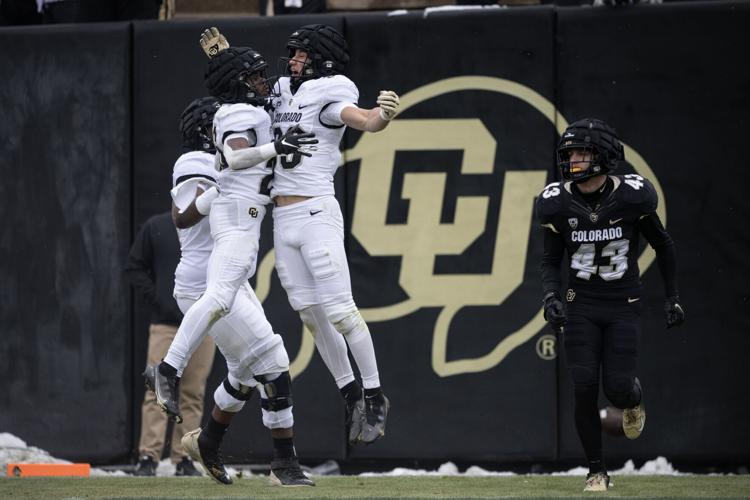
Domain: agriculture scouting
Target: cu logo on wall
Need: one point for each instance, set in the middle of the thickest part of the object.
(461, 231)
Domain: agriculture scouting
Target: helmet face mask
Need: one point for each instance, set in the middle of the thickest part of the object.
(596, 144)
(256, 82)
(238, 75)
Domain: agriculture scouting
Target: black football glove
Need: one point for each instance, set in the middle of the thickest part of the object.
(295, 140)
(554, 311)
(675, 312)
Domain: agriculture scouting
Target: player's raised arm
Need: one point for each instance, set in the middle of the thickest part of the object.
(212, 42)
(375, 119)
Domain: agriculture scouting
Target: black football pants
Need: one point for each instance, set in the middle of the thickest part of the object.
(601, 337)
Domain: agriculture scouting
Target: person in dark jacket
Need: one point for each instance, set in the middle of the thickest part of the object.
(150, 269)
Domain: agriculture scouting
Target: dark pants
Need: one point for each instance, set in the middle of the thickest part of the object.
(601, 339)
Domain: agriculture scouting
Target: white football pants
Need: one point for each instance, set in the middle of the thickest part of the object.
(312, 267)
(235, 228)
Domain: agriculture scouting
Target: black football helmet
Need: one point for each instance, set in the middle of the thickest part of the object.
(327, 51)
(196, 122)
(238, 74)
(589, 134)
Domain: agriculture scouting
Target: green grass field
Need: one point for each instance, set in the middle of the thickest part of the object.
(532, 486)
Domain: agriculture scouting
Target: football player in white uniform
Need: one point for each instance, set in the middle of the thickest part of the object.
(241, 133)
(308, 225)
(255, 355)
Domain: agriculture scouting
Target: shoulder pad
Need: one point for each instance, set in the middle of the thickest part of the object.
(336, 88)
(192, 164)
(239, 118)
(283, 85)
(639, 192)
(192, 170)
(549, 202)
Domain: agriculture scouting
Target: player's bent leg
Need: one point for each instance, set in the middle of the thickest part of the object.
(204, 445)
(634, 418)
(276, 404)
(195, 324)
(231, 263)
(329, 343)
(348, 321)
(276, 400)
(162, 379)
(332, 348)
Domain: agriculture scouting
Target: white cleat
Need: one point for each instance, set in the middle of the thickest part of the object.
(598, 481)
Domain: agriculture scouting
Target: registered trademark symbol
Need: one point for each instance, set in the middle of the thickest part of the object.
(546, 347)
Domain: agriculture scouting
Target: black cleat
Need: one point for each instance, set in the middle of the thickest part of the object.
(208, 456)
(355, 420)
(146, 466)
(185, 467)
(287, 472)
(376, 413)
(167, 391)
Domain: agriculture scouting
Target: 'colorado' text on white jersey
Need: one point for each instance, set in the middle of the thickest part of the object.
(191, 171)
(315, 107)
(254, 124)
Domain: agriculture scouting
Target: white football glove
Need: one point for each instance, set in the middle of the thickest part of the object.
(389, 103)
(213, 42)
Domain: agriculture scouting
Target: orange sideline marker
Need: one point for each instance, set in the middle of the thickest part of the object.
(27, 470)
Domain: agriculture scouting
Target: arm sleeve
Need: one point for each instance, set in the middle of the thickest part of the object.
(138, 269)
(554, 246)
(666, 256)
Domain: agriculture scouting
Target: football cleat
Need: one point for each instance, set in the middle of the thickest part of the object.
(376, 413)
(185, 467)
(597, 481)
(146, 466)
(355, 420)
(633, 421)
(167, 391)
(287, 472)
(208, 456)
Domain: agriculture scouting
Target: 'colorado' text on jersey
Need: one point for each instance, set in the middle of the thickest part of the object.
(315, 107)
(602, 243)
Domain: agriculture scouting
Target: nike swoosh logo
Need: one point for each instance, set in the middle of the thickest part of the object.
(315, 212)
(301, 106)
(630, 301)
(615, 221)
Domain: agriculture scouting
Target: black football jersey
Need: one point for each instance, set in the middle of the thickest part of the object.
(602, 242)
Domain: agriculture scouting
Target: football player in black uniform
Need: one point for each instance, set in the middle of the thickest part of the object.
(598, 218)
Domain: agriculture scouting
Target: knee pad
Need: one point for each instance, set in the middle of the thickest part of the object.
(223, 295)
(345, 318)
(276, 400)
(623, 391)
(270, 358)
(231, 399)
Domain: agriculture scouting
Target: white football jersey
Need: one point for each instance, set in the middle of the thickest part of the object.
(253, 123)
(192, 170)
(302, 175)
